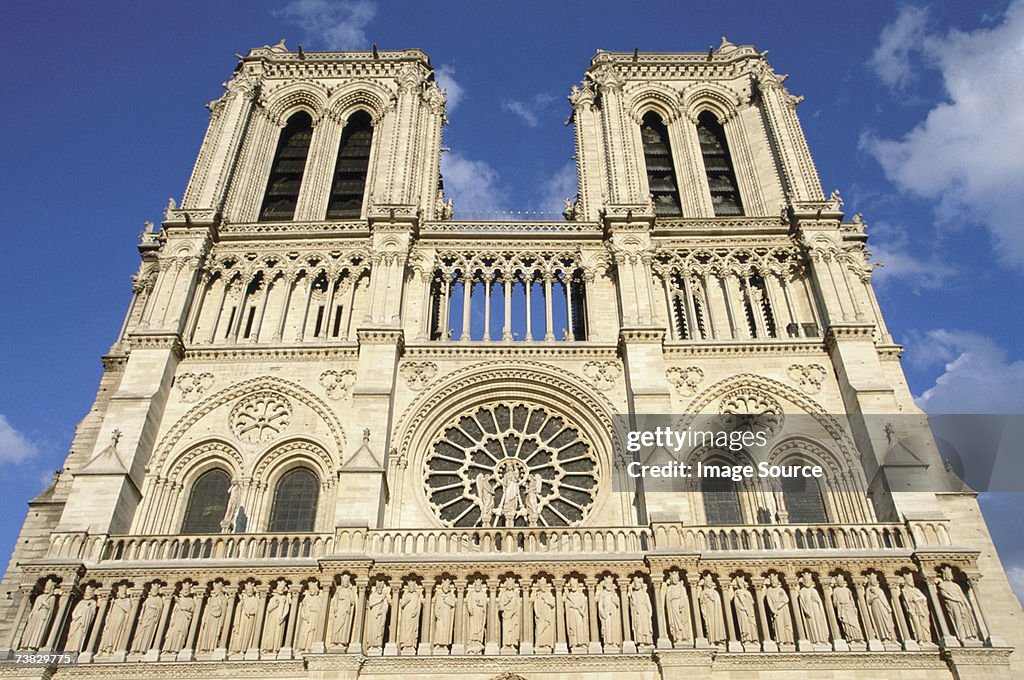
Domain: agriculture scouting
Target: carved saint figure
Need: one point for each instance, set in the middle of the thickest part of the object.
(409, 605)
(82, 617)
(115, 632)
(846, 610)
(677, 608)
(879, 609)
(149, 619)
(711, 610)
(181, 619)
(377, 605)
(609, 613)
(244, 636)
(213, 618)
(274, 621)
(39, 618)
(342, 610)
(485, 492)
(917, 609)
(227, 524)
(777, 600)
(444, 615)
(576, 615)
(476, 608)
(543, 617)
(508, 610)
(812, 610)
(746, 615)
(640, 612)
(310, 617)
(510, 500)
(957, 606)
(534, 486)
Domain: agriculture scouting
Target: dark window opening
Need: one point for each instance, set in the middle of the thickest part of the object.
(295, 501)
(337, 322)
(725, 194)
(721, 502)
(661, 173)
(231, 322)
(319, 321)
(351, 169)
(282, 193)
(207, 503)
(802, 497)
(248, 321)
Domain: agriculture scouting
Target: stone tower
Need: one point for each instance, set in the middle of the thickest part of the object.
(343, 431)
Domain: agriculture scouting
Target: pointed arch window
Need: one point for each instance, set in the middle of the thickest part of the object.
(207, 503)
(661, 173)
(721, 501)
(289, 165)
(725, 194)
(802, 498)
(295, 502)
(351, 168)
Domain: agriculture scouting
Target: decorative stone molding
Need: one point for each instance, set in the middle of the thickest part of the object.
(684, 380)
(807, 376)
(418, 373)
(261, 417)
(338, 384)
(604, 374)
(193, 385)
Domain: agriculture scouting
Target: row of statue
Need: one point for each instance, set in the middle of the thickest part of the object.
(511, 615)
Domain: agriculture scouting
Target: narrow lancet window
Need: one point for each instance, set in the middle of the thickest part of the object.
(286, 173)
(207, 503)
(661, 173)
(351, 168)
(725, 195)
(295, 501)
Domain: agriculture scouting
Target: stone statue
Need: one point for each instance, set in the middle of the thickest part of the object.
(82, 617)
(244, 637)
(409, 606)
(957, 606)
(213, 618)
(181, 619)
(508, 610)
(149, 620)
(476, 609)
(879, 609)
(377, 605)
(227, 525)
(812, 610)
(609, 613)
(342, 610)
(39, 617)
(846, 610)
(640, 612)
(274, 621)
(711, 610)
(917, 609)
(511, 503)
(444, 615)
(171, 207)
(576, 616)
(543, 617)
(310, 617)
(746, 615)
(677, 608)
(777, 600)
(534, 486)
(115, 632)
(485, 492)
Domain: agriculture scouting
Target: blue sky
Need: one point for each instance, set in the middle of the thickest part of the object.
(916, 112)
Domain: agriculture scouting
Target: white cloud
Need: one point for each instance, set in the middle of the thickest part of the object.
(474, 185)
(965, 154)
(978, 377)
(902, 262)
(896, 43)
(333, 25)
(563, 184)
(14, 446)
(445, 76)
(1015, 574)
(527, 111)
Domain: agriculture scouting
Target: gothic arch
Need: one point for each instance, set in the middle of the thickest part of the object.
(718, 99)
(661, 99)
(365, 95)
(197, 459)
(282, 103)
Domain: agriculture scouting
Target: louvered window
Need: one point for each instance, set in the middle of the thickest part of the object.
(725, 195)
(295, 500)
(207, 503)
(286, 173)
(351, 168)
(661, 174)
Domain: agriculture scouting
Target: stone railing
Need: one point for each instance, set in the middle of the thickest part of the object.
(782, 537)
(217, 547)
(481, 541)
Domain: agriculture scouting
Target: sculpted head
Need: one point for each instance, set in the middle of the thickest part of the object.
(807, 579)
(638, 583)
(186, 588)
(90, 592)
(773, 578)
(122, 590)
(908, 579)
(281, 586)
(345, 580)
(709, 581)
(218, 587)
(314, 587)
(673, 576)
(48, 585)
(873, 579)
(154, 589)
(250, 588)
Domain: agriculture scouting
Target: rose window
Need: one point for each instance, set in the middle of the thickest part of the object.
(511, 465)
(261, 417)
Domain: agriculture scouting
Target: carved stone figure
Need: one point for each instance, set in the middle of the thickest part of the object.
(879, 609)
(274, 621)
(746, 615)
(534, 486)
(677, 608)
(171, 207)
(444, 615)
(115, 631)
(227, 524)
(244, 636)
(576, 616)
(640, 611)
(812, 610)
(39, 617)
(711, 610)
(82, 617)
(609, 613)
(476, 613)
(846, 610)
(777, 600)
(511, 503)
(485, 493)
(543, 617)
(213, 618)
(409, 605)
(343, 609)
(181, 619)
(310, 617)
(377, 605)
(917, 610)
(508, 610)
(149, 618)
(957, 607)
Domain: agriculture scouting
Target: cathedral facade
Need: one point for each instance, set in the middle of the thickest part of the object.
(342, 434)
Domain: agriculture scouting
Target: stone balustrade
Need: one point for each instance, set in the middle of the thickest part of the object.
(782, 537)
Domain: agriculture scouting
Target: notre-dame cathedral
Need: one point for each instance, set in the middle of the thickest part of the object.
(342, 434)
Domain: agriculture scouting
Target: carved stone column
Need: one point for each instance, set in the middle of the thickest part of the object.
(628, 644)
(459, 642)
(767, 644)
(663, 641)
(946, 637)
(802, 643)
(167, 595)
(19, 619)
(595, 634)
(892, 579)
(426, 619)
(839, 644)
(355, 646)
(63, 600)
(188, 653)
(121, 653)
(526, 619)
(725, 588)
(253, 653)
(974, 597)
(103, 601)
(699, 639)
(293, 609)
(391, 646)
(221, 652)
(561, 647)
(870, 634)
(493, 629)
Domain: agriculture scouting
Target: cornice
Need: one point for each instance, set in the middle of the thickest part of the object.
(148, 340)
(694, 348)
(453, 349)
(306, 352)
(261, 231)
